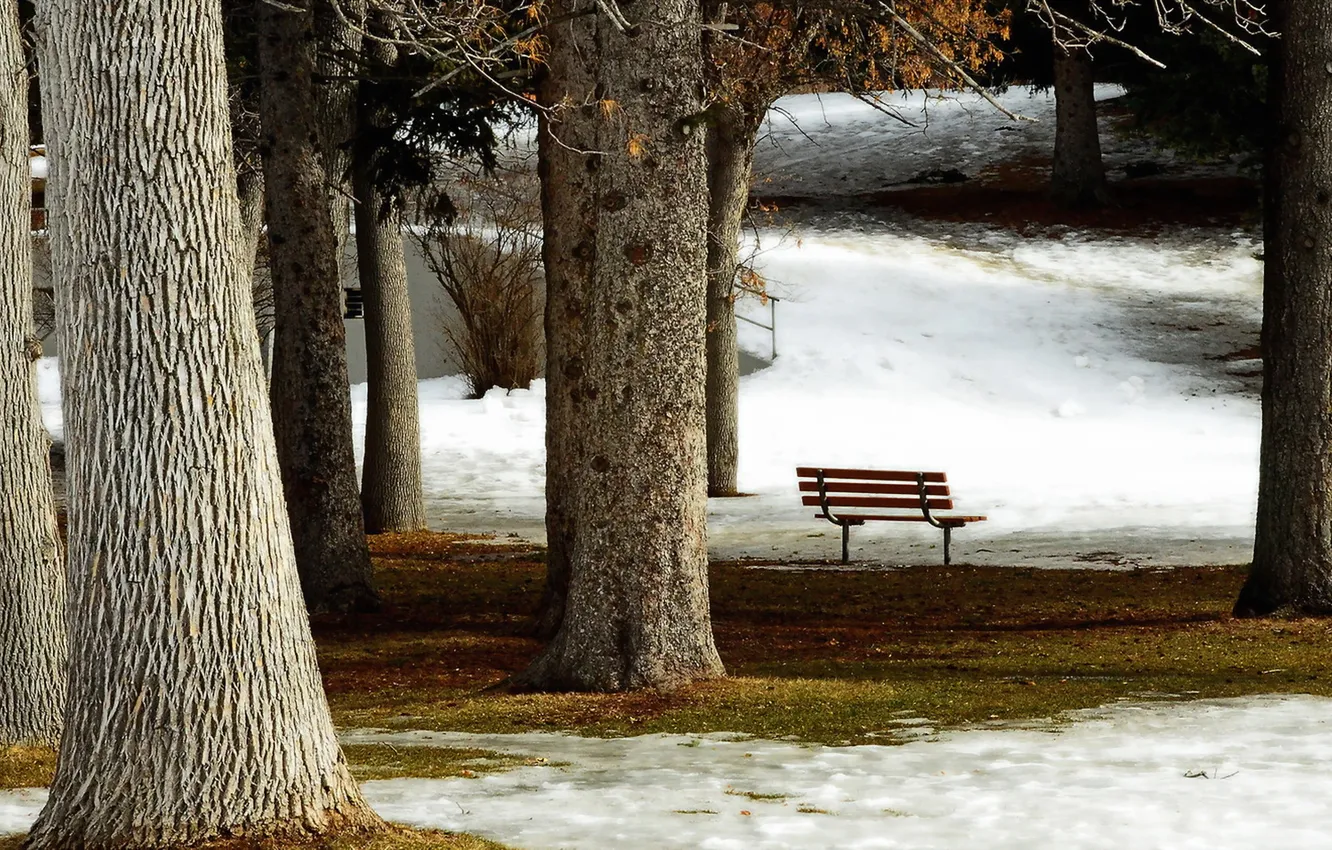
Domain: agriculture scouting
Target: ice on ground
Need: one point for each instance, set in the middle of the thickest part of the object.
(1211, 775)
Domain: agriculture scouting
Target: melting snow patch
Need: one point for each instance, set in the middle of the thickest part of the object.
(1241, 773)
(1212, 774)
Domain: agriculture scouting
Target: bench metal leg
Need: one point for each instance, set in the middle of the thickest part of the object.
(846, 536)
(948, 539)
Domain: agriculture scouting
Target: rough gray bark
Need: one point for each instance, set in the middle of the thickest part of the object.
(195, 709)
(625, 209)
(1078, 175)
(32, 571)
(1292, 550)
(391, 497)
(730, 153)
(310, 394)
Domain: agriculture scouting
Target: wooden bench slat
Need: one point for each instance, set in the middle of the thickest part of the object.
(872, 487)
(869, 474)
(827, 489)
(947, 520)
(885, 502)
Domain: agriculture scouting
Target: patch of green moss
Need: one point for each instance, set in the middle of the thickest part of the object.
(757, 796)
(385, 761)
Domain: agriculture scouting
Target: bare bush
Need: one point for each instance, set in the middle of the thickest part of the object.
(43, 292)
(483, 244)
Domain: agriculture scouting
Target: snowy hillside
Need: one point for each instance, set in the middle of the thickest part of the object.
(834, 146)
(1066, 385)
(1087, 393)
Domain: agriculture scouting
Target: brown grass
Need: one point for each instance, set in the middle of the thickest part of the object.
(823, 655)
(26, 767)
(826, 656)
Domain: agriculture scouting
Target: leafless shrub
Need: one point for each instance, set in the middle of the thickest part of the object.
(483, 244)
(43, 294)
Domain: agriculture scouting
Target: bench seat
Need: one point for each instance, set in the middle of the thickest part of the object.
(912, 495)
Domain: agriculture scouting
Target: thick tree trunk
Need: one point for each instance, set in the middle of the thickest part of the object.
(310, 394)
(1292, 551)
(1078, 176)
(730, 152)
(196, 709)
(391, 496)
(32, 571)
(625, 232)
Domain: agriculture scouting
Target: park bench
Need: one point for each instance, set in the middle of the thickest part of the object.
(880, 495)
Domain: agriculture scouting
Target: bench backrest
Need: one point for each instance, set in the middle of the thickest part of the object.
(873, 490)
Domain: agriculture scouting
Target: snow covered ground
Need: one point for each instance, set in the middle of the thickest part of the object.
(1074, 389)
(1212, 775)
(1087, 393)
(834, 145)
(1082, 391)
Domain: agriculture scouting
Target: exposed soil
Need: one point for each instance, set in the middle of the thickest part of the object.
(1015, 196)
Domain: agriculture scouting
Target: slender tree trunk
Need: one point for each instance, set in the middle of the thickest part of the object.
(311, 401)
(562, 472)
(730, 152)
(336, 71)
(391, 478)
(625, 231)
(32, 571)
(250, 191)
(1292, 550)
(1078, 177)
(195, 709)
(391, 496)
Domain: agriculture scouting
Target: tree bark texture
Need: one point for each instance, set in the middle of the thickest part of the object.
(196, 708)
(250, 192)
(32, 571)
(625, 209)
(310, 391)
(561, 473)
(1292, 550)
(1078, 176)
(391, 497)
(730, 153)
(336, 71)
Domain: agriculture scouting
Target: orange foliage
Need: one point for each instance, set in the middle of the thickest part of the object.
(780, 47)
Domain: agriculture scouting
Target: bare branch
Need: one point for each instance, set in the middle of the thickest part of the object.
(1055, 19)
(954, 66)
(875, 101)
(1220, 29)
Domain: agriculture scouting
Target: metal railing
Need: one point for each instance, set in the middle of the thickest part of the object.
(772, 318)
